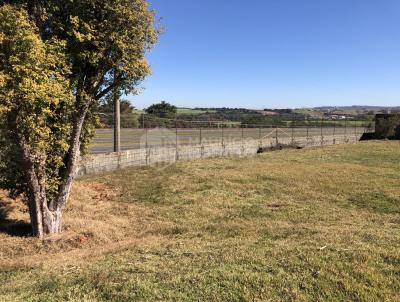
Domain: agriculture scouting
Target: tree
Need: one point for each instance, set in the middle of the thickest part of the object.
(162, 109)
(129, 118)
(58, 59)
(107, 106)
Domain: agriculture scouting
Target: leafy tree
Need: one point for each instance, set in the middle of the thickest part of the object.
(129, 119)
(57, 60)
(162, 109)
(107, 105)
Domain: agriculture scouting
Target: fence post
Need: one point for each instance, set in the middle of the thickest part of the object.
(242, 151)
(201, 143)
(322, 135)
(259, 137)
(117, 122)
(345, 130)
(176, 141)
(222, 140)
(355, 131)
(147, 148)
(292, 131)
(276, 136)
(334, 132)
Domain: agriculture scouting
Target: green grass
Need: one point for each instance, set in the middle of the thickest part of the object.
(297, 225)
(309, 112)
(193, 111)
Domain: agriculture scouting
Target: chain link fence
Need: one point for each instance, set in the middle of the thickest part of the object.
(151, 132)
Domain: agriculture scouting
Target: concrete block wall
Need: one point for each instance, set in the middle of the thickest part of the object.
(161, 155)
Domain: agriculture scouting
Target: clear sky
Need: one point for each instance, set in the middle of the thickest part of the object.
(275, 53)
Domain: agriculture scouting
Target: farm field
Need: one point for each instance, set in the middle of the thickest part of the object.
(320, 224)
(191, 111)
(136, 138)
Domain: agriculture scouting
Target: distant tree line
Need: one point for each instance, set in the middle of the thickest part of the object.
(129, 118)
(164, 114)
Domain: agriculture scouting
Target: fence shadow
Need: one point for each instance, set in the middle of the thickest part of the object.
(12, 227)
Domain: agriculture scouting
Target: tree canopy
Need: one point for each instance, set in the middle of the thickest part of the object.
(162, 109)
(33, 82)
(129, 118)
(58, 60)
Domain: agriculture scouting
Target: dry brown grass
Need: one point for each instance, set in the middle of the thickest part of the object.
(296, 225)
(93, 225)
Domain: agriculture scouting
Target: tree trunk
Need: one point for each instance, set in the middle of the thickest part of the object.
(43, 220)
(36, 218)
(52, 222)
(46, 217)
(72, 161)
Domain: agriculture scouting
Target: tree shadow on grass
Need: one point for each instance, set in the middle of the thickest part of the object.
(12, 227)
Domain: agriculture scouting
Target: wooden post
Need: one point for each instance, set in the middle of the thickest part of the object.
(117, 123)
(176, 141)
(292, 141)
(334, 132)
(355, 130)
(201, 143)
(201, 136)
(242, 151)
(322, 135)
(222, 140)
(147, 148)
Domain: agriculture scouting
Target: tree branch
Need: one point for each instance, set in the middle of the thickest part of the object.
(118, 80)
(72, 157)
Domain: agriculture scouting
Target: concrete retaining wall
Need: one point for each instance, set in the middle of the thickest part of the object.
(157, 155)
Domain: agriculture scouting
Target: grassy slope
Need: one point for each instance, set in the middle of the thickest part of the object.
(319, 224)
(193, 111)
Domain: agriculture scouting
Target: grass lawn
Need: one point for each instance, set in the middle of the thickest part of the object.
(297, 225)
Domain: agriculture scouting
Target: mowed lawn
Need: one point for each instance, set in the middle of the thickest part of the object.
(296, 225)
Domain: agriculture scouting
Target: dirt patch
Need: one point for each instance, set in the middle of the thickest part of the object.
(278, 148)
(91, 220)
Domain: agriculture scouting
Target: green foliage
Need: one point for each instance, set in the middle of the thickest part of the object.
(163, 109)
(58, 59)
(107, 106)
(106, 42)
(105, 38)
(388, 126)
(129, 117)
(33, 92)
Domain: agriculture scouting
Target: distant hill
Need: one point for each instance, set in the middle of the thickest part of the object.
(357, 107)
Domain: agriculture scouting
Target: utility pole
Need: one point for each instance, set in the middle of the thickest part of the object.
(117, 122)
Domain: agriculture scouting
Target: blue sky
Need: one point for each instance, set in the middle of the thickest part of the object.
(275, 53)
